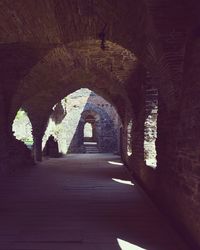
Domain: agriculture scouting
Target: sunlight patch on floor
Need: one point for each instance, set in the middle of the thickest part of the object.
(123, 182)
(124, 245)
(115, 163)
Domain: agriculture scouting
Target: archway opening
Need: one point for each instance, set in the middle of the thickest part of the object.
(150, 127)
(89, 120)
(90, 139)
(88, 132)
(77, 65)
(129, 138)
(22, 128)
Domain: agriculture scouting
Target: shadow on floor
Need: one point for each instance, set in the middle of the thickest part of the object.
(80, 202)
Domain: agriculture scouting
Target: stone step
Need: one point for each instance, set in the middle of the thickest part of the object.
(91, 150)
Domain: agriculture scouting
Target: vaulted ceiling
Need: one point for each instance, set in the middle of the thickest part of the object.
(50, 48)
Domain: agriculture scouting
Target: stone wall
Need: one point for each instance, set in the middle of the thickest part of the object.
(69, 133)
(51, 48)
(15, 156)
(178, 146)
(174, 184)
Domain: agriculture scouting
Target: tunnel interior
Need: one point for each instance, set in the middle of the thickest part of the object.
(142, 57)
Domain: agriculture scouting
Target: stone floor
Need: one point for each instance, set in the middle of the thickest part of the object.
(82, 202)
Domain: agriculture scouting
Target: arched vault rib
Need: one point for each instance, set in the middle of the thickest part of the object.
(62, 22)
(63, 64)
(46, 99)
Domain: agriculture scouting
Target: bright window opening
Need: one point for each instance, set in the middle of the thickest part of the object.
(129, 138)
(88, 131)
(22, 128)
(150, 128)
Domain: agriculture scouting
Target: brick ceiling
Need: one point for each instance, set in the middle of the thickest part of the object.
(49, 48)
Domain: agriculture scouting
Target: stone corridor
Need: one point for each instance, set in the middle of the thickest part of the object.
(143, 58)
(80, 202)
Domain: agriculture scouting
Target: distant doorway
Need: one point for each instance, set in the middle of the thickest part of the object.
(90, 138)
(90, 129)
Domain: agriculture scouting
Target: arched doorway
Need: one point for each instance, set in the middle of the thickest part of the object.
(89, 118)
(90, 144)
(89, 129)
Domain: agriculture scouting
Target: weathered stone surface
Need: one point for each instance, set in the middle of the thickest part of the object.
(70, 131)
(51, 48)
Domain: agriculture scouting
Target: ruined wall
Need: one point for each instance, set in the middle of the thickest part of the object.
(69, 133)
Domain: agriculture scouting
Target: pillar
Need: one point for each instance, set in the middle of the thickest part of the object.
(38, 148)
(5, 132)
(39, 126)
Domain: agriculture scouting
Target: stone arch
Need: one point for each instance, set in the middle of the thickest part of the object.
(62, 64)
(140, 38)
(39, 52)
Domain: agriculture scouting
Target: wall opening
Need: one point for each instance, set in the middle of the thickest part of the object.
(129, 138)
(88, 131)
(150, 126)
(85, 120)
(22, 128)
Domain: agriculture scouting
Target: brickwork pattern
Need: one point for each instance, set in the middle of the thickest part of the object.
(51, 48)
